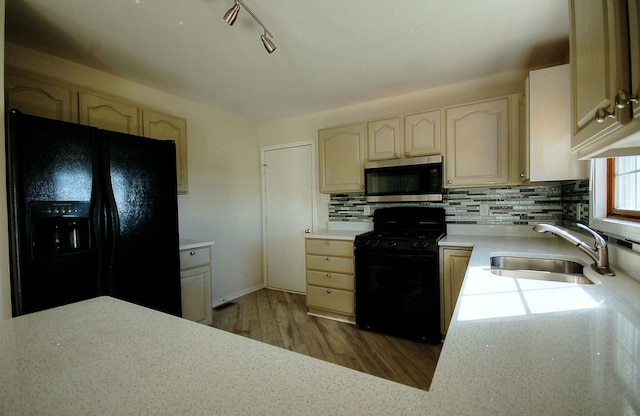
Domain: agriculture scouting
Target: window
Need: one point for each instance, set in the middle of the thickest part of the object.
(623, 188)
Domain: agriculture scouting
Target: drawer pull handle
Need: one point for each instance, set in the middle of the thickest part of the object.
(327, 242)
(192, 253)
(328, 290)
(328, 274)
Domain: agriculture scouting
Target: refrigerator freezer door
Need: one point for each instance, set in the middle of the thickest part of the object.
(52, 217)
(145, 264)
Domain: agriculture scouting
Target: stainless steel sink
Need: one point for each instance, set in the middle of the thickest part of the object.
(539, 269)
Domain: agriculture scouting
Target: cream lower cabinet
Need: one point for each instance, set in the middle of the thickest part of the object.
(453, 267)
(330, 279)
(342, 155)
(195, 280)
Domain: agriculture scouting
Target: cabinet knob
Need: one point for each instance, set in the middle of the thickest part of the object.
(328, 258)
(307, 230)
(328, 290)
(602, 114)
(328, 274)
(449, 181)
(327, 242)
(407, 154)
(623, 99)
(361, 186)
(192, 253)
(522, 174)
(395, 155)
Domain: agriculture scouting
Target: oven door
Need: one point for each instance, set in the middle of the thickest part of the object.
(398, 293)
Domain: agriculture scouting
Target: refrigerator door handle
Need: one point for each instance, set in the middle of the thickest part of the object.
(109, 221)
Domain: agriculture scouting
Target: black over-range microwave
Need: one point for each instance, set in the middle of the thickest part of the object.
(400, 180)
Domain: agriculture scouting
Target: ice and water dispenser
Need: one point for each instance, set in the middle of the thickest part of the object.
(60, 227)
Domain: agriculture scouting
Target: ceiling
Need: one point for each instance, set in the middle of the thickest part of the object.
(330, 53)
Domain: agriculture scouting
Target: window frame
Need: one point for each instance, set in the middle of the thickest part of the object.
(612, 211)
(598, 218)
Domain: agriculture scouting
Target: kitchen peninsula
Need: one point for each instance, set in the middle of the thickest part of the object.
(559, 349)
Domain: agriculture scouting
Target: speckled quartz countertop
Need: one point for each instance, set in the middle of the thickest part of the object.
(513, 348)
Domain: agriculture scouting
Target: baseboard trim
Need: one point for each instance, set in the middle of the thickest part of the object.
(220, 301)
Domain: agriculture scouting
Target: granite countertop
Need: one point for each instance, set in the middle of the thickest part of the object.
(513, 347)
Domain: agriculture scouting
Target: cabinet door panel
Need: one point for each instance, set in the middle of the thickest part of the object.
(107, 114)
(384, 139)
(194, 289)
(341, 153)
(453, 269)
(38, 98)
(422, 135)
(477, 139)
(599, 64)
(162, 126)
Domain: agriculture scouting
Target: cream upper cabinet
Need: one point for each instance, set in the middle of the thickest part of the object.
(384, 139)
(453, 267)
(601, 59)
(38, 98)
(408, 136)
(108, 114)
(478, 151)
(162, 126)
(546, 152)
(422, 134)
(342, 155)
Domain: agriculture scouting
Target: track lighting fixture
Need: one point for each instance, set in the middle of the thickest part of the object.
(232, 14)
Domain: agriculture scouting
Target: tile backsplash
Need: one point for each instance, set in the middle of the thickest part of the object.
(509, 205)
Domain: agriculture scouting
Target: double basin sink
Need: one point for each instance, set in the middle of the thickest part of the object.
(539, 269)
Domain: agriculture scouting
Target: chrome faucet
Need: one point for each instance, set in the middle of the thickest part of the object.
(599, 252)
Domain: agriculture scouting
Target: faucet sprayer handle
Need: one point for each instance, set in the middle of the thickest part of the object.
(600, 241)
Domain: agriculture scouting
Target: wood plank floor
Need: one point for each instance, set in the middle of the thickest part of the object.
(280, 318)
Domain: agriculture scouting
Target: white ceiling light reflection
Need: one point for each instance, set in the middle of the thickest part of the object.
(489, 296)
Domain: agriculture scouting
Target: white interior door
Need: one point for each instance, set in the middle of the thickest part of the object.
(288, 196)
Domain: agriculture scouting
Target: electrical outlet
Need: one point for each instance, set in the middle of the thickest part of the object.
(367, 210)
(326, 198)
(578, 211)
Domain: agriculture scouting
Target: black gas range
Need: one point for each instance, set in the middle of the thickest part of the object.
(397, 272)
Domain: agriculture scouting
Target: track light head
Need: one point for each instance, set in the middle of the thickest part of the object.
(232, 14)
(268, 44)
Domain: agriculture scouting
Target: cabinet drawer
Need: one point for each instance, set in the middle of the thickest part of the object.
(330, 264)
(331, 299)
(341, 248)
(194, 257)
(328, 279)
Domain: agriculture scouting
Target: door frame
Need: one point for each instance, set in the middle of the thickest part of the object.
(314, 193)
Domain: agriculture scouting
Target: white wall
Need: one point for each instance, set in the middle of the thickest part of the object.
(224, 202)
(306, 127)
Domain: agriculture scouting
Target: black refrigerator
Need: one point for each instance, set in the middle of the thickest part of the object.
(91, 213)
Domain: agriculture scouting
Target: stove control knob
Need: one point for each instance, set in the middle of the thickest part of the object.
(425, 245)
(393, 244)
(374, 243)
(414, 244)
